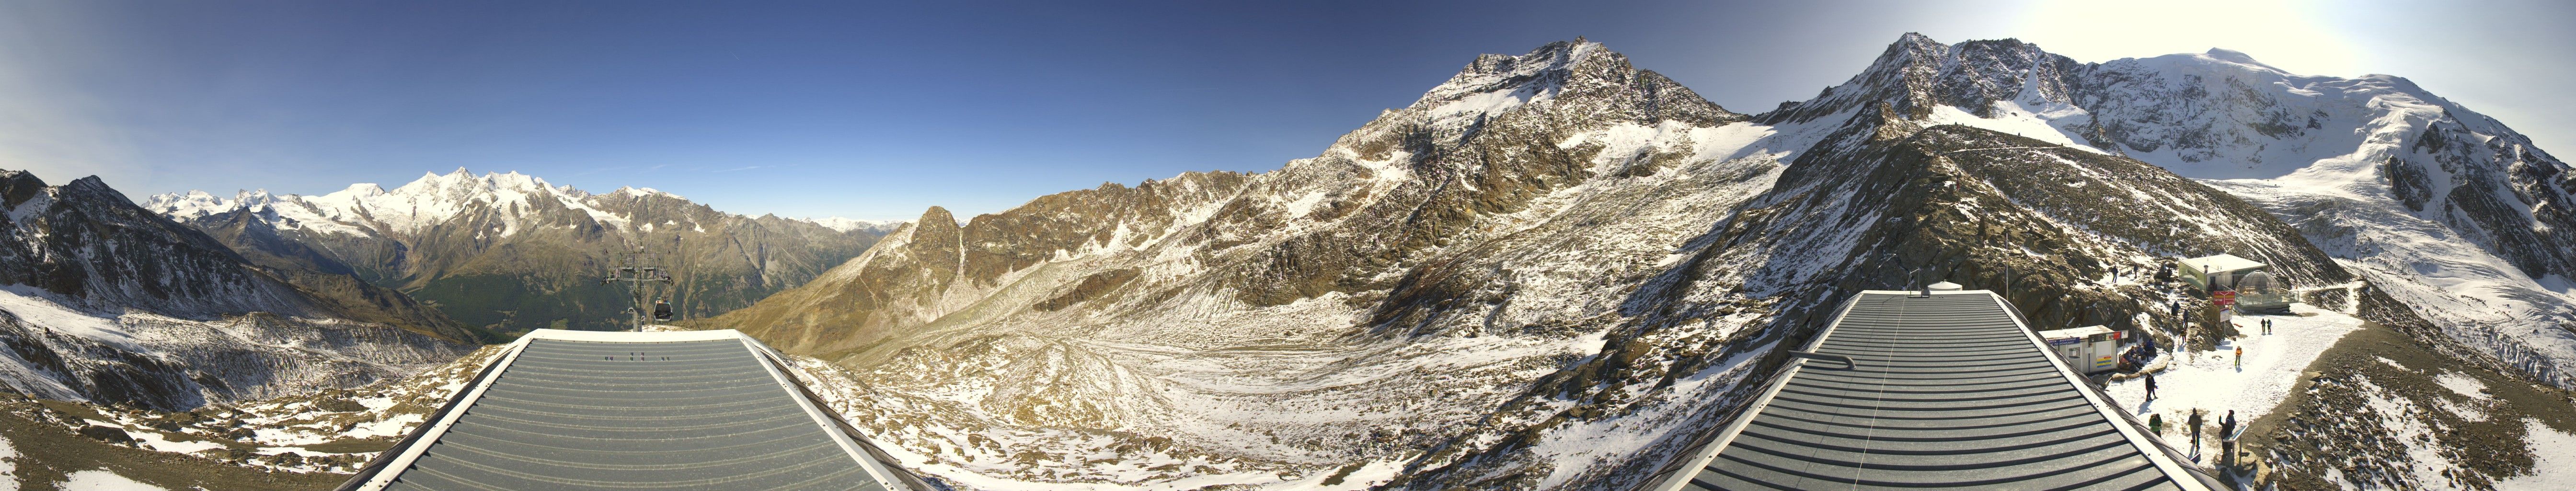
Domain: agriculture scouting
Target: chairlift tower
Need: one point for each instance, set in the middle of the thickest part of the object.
(636, 269)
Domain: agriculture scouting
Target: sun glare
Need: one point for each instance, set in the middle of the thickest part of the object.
(2290, 35)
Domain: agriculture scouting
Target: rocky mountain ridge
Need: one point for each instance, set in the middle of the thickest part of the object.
(512, 252)
(1553, 271)
(2459, 216)
(105, 301)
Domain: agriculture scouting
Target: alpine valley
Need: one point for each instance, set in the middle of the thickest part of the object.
(510, 252)
(1553, 271)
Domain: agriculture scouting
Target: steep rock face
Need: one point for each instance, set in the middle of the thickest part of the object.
(107, 301)
(512, 252)
(1916, 75)
(83, 240)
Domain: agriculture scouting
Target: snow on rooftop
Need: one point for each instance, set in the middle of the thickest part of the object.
(2222, 262)
(2076, 332)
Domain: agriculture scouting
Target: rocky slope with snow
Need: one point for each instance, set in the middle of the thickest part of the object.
(1556, 270)
(102, 300)
(2463, 219)
(512, 252)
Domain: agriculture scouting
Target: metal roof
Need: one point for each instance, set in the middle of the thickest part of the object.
(2075, 332)
(626, 410)
(1945, 391)
(2221, 263)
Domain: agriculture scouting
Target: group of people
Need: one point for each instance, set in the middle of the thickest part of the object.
(2138, 355)
(2226, 428)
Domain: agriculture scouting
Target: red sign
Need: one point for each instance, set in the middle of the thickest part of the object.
(2222, 297)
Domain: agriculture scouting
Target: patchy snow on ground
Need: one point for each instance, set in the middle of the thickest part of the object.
(159, 441)
(2464, 411)
(2553, 456)
(2462, 384)
(8, 465)
(2425, 457)
(40, 308)
(2213, 382)
(102, 480)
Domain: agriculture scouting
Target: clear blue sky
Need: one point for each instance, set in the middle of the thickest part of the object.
(880, 110)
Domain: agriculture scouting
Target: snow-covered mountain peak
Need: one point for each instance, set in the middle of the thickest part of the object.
(461, 185)
(636, 192)
(2375, 168)
(2233, 56)
(1494, 83)
(431, 199)
(851, 224)
(1915, 75)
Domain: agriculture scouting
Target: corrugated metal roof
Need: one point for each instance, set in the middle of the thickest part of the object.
(569, 410)
(1946, 391)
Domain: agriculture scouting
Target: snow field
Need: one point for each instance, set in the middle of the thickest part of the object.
(8, 465)
(2210, 380)
(102, 480)
(2553, 454)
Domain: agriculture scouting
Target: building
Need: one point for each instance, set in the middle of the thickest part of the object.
(582, 410)
(2260, 292)
(1937, 390)
(2089, 349)
(2219, 272)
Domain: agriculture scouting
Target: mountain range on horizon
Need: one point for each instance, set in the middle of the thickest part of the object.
(1554, 270)
(512, 252)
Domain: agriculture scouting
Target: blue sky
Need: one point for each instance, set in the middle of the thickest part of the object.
(880, 110)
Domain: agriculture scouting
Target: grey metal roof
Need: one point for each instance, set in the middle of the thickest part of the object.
(1947, 391)
(711, 414)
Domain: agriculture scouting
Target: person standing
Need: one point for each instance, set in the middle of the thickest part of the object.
(2240, 358)
(2156, 423)
(2151, 386)
(2194, 422)
(2227, 437)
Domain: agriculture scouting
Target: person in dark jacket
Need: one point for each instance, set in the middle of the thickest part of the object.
(2151, 387)
(2194, 422)
(2227, 437)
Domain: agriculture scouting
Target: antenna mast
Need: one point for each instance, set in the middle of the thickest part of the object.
(637, 268)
